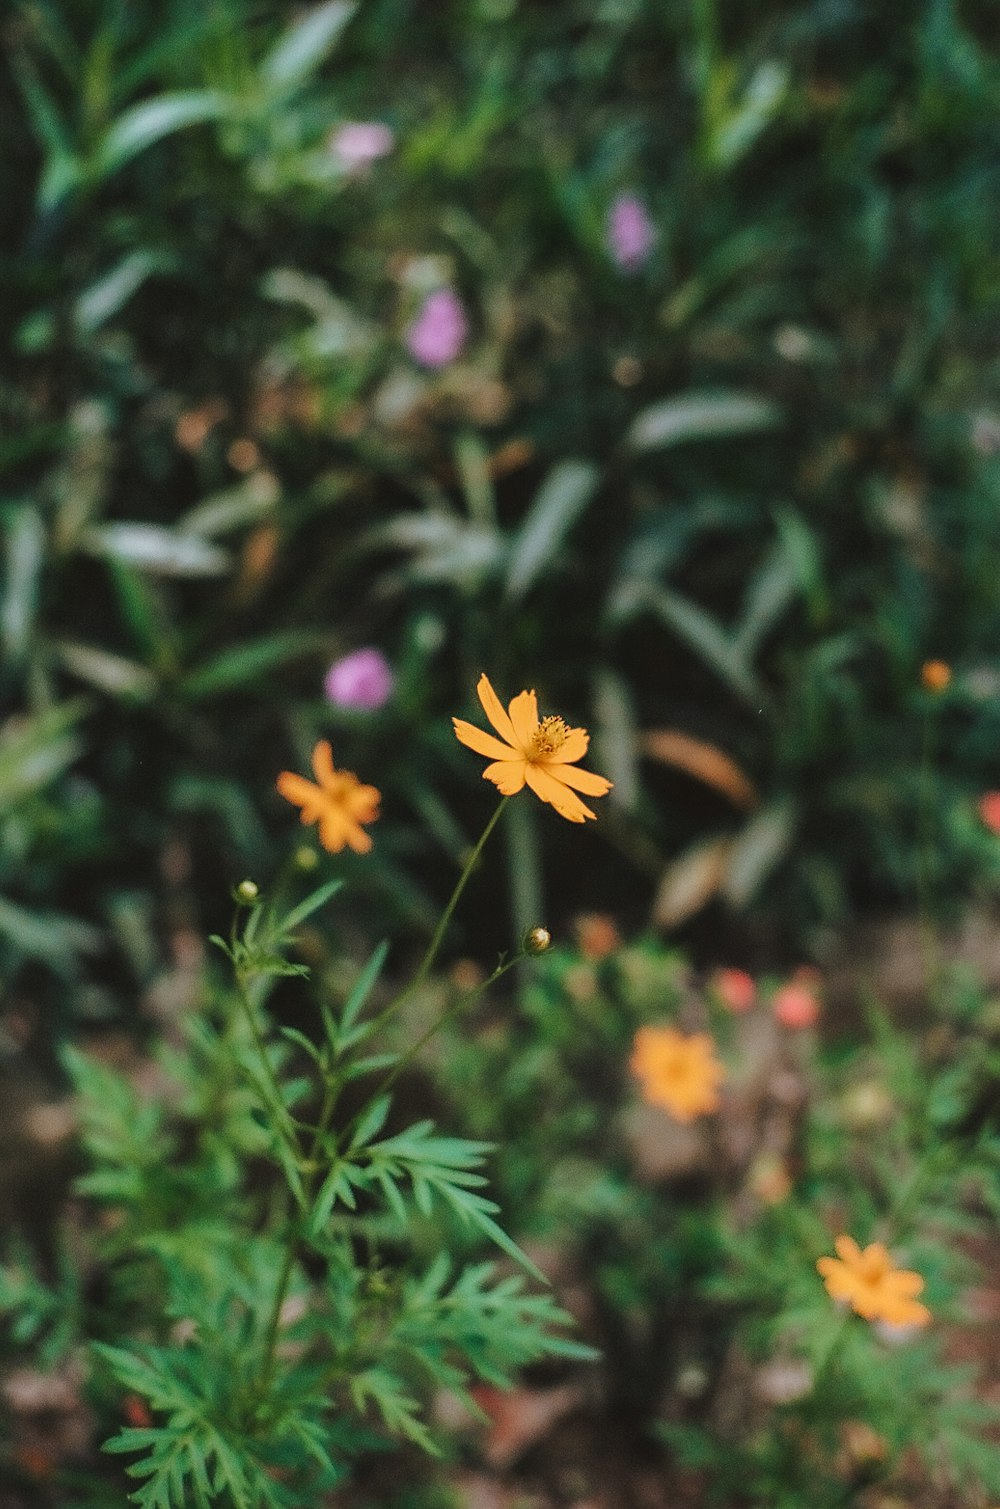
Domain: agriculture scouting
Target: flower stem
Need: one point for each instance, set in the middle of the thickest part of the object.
(423, 968)
(446, 916)
(925, 867)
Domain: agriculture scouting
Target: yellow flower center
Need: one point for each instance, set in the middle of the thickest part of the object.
(550, 735)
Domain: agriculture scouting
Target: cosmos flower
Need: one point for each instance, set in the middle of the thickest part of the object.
(870, 1284)
(439, 331)
(362, 681)
(734, 988)
(535, 753)
(678, 1072)
(357, 144)
(631, 235)
(935, 675)
(337, 801)
(796, 1005)
(988, 808)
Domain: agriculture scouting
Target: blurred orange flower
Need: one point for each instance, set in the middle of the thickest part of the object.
(596, 935)
(875, 1289)
(339, 803)
(935, 675)
(679, 1073)
(536, 753)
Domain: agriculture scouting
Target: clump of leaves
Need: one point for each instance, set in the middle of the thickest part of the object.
(283, 1286)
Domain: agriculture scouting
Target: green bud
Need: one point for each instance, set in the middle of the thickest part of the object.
(306, 858)
(247, 892)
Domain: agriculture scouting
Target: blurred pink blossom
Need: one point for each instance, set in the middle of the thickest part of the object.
(734, 988)
(796, 1005)
(631, 234)
(439, 331)
(357, 144)
(362, 680)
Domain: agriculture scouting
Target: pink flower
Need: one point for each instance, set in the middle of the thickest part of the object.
(796, 1005)
(439, 331)
(631, 234)
(734, 988)
(362, 681)
(989, 810)
(357, 144)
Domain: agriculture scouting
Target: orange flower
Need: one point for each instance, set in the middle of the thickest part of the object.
(339, 803)
(680, 1074)
(935, 675)
(871, 1285)
(536, 753)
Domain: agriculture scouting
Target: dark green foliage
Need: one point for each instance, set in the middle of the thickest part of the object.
(267, 1291)
(744, 490)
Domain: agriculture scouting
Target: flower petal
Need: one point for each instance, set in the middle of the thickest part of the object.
(581, 780)
(524, 716)
(903, 1283)
(574, 748)
(483, 743)
(295, 788)
(548, 789)
(322, 762)
(333, 829)
(493, 708)
(848, 1249)
(506, 775)
(359, 840)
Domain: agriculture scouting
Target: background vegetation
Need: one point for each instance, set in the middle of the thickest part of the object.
(718, 498)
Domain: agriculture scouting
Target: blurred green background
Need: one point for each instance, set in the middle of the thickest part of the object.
(708, 452)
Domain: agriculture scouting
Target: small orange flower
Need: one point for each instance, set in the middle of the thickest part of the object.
(935, 675)
(536, 753)
(679, 1073)
(871, 1285)
(339, 802)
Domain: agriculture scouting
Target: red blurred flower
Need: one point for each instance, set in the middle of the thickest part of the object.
(796, 1005)
(734, 988)
(989, 810)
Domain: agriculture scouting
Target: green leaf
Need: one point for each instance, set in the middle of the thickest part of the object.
(243, 664)
(154, 119)
(305, 44)
(110, 293)
(560, 501)
(700, 416)
(34, 751)
(150, 547)
(108, 673)
(25, 534)
(361, 990)
(372, 1121)
(706, 638)
(312, 903)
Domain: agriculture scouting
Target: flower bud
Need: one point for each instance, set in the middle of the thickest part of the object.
(305, 858)
(537, 940)
(247, 892)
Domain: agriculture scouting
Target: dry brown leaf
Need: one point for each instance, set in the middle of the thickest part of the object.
(704, 761)
(690, 882)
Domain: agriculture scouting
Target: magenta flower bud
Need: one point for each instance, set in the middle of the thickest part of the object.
(631, 233)
(439, 331)
(357, 144)
(362, 681)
